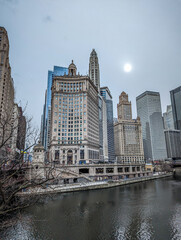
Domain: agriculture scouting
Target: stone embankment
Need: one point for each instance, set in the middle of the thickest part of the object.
(53, 189)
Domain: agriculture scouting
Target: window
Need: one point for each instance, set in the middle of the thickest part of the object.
(99, 170)
(81, 154)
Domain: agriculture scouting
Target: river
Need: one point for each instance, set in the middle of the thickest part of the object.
(142, 211)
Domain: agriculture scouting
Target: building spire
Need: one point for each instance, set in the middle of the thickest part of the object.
(94, 69)
(72, 69)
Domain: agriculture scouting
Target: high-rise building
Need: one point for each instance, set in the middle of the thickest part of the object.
(46, 117)
(108, 117)
(18, 129)
(168, 118)
(6, 95)
(21, 130)
(106, 145)
(175, 96)
(6, 81)
(103, 135)
(106, 154)
(173, 143)
(94, 69)
(128, 134)
(74, 119)
(14, 127)
(150, 113)
(100, 105)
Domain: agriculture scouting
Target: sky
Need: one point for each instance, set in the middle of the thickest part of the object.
(44, 33)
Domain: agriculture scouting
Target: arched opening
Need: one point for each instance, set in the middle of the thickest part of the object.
(69, 157)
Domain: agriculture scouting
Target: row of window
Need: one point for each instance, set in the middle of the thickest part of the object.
(69, 95)
(76, 130)
(70, 142)
(70, 84)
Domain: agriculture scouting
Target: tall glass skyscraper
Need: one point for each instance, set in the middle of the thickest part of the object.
(176, 107)
(105, 93)
(150, 113)
(46, 117)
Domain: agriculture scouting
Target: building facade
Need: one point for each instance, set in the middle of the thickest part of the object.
(74, 119)
(108, 118)
(6, 81)
(100, 105)
(168, 118)
(175, 96)
(150, 113)
(94, 73)
(14, 127)
(6, 95)
(127, 134)
(18, 129)
(46, 116)
(173, 143)
(21, 130)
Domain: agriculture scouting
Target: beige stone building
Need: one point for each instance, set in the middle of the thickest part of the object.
(94, 73)
(127, 134)
(74, 119)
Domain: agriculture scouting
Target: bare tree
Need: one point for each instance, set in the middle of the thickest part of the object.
(13, 169)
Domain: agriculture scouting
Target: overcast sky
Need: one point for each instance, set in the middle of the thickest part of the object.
(44, 33)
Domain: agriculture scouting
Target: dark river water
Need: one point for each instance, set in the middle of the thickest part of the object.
(150, 210)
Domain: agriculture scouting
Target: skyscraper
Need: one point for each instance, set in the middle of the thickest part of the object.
(127, 133)
(18, 133)
(94, 69)
(175, 96)
(6, 96)
(168, 118)
(150, 113)
(46, 117)
(6, 81)
(74, 119)
(105, 93)
(173, 143)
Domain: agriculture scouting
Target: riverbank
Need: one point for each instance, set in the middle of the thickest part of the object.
(53, 189)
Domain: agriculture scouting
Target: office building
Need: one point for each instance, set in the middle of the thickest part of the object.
(173, 143)
(6, 95)
(175, 96)
(46, 116)
(100, 105)
(150, 113)
(74, 119)
(108, 117)
(127, 134)
(21, 130)
(168, 118)
(18, 134)
(6, 81)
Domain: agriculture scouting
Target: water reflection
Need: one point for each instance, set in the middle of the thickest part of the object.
(144, 211)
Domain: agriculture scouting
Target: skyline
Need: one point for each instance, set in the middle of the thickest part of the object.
(153, 52)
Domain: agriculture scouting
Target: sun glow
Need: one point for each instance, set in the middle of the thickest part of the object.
(127, 67)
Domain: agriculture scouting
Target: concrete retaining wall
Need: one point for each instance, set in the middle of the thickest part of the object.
(89, 186)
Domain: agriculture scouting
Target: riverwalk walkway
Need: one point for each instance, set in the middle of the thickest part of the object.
(53, 189)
